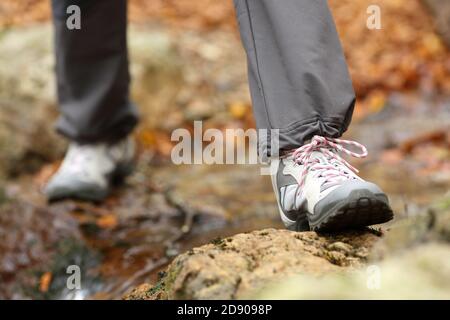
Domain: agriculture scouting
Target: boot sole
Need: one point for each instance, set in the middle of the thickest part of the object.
(362, 208)
(93, 193)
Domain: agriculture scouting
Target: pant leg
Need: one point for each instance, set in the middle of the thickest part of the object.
(92, 72)
(298, 75)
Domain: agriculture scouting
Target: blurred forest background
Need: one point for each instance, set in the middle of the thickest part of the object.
(188, 64)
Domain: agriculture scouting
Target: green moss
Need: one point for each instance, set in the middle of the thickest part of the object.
(217, 241)
(158, 287)
(171, 275)
(161, 275)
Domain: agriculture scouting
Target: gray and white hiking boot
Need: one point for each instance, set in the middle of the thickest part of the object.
(318, 190)
(88, 171)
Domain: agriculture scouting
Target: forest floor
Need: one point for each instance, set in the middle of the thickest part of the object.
(188, 64)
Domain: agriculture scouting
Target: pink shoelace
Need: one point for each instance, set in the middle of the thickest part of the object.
(326, 145)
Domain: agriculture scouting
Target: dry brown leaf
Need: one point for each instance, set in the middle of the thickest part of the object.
(238, 109)
(45, 281)
(392, 157)
(108, 221)
(42, 177)
(438, 136)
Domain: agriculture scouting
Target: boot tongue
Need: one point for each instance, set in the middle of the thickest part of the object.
(319, 156)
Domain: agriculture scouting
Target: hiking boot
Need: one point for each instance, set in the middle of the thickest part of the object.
(88, 170)
(318, 190)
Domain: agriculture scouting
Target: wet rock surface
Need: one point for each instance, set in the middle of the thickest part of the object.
(128, 239)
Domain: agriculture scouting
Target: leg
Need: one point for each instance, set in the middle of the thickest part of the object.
(297, 71)
(92, 72)
(300, 85)
(93, 92)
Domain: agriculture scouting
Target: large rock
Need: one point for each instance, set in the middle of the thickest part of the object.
(420, 273)
(234, 267)
(410, 261)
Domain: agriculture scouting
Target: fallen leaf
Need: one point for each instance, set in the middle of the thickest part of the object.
(238, 110)
(44, 175)
(44, 283)
(108, 221)
(392, 156)
(428, 137)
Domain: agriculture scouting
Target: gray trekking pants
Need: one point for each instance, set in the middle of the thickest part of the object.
(297, 72)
